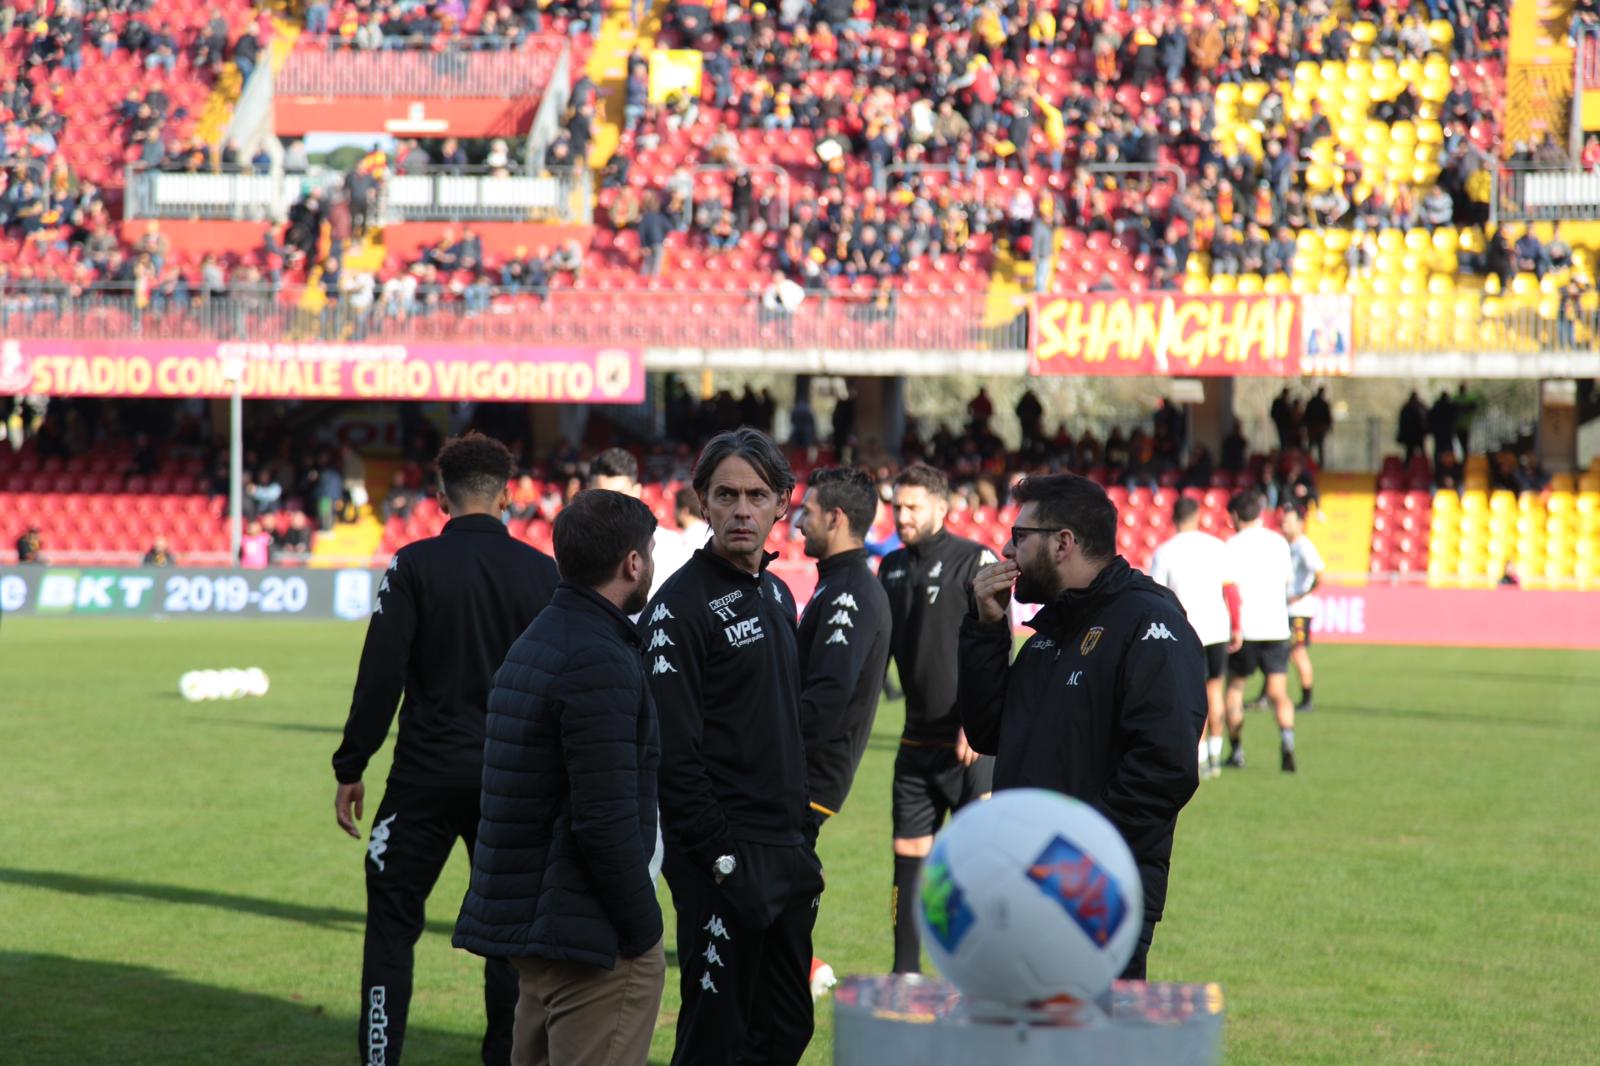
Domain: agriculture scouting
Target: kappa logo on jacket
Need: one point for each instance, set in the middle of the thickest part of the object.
(1158, 631)
(659, 639)
(844, 599)
(840, 618)
(660, 614)
(938, 569)
(722, 606)
(838, 637)
(661, 666)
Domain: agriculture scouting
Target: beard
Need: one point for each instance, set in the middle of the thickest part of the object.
(816, 547)
(1037, 582)
(637, 601)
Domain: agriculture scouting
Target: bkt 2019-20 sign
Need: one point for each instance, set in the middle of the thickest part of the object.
(346, 594)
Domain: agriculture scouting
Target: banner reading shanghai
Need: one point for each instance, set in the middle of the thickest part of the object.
(312, 371)
(1167, 334)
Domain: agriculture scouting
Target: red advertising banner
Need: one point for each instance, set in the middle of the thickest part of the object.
(333, 371)
(1185, 336)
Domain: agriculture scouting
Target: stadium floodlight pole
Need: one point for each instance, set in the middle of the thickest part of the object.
(233, 373)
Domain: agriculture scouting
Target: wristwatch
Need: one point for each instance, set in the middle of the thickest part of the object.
(724, 866)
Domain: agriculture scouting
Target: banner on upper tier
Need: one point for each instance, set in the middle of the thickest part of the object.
(322, 371)
(1171, 334)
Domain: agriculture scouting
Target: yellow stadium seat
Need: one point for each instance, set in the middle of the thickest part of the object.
(1301, 285)
(1228, 95)
(1561, 503)
(1330, 286)
(1474, 502)
(1224, 285)
(1524, 286)
(1250, 285)
(1441, 33)
(1502, 502)
(1446, 502)
(1276, 284)
(1429, 132)
(1253, 92)
(1196, 285)
(1426, 174)
(1390, 240)
(1442, 285)
(1375, 133)
(1403, 132)
(1473, 240)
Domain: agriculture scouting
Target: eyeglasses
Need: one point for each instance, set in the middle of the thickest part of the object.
(1018, 532)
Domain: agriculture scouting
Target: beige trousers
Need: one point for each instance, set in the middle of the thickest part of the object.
(570, 1014)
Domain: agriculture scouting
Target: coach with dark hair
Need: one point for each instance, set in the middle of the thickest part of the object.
(1106, 700)
(447, 611)
(561, 883)
(720, 652)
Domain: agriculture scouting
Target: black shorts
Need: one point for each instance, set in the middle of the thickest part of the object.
(1300, 632)
(930, 783)
(1268, 656)
(1216, 661)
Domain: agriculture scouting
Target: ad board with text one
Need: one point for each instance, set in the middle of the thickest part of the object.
(1176, 335)
(312, 370)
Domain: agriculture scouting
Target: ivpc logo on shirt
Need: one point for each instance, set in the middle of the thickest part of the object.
(744, 632)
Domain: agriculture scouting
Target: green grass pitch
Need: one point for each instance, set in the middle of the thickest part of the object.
(173, 889)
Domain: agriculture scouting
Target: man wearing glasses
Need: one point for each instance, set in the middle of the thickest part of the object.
(1106, 700)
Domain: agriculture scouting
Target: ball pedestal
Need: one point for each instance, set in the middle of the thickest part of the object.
(898, 1020)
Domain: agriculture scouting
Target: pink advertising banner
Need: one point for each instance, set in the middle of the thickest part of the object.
(1455, 618)
(314, 370)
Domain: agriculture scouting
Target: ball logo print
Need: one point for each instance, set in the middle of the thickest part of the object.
(1083, 888)
(944, 907)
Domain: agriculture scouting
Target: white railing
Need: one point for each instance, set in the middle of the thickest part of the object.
(164, 194)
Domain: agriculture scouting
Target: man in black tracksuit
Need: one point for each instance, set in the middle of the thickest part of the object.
(936, 772)
(447, 611)
(1106, 701)
(721, 657)
(844, 634)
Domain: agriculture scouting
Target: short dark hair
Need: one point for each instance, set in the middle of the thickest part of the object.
(685, 500)
(1184, 510)
(473, 468)
(1294, 507)
(848, 489)
(615, 462)
(923, 476)
(1245, 505)
(755, 448)
(1067, 501)
(594, 533)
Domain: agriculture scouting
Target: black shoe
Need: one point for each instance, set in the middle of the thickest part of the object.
(1288, 761)
(1305, 707)
(1235, 759)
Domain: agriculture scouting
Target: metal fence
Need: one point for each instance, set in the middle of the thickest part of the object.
(679, 315)
(472, 195)
(460, 71)
(489, 315)
(438, 194)
(1525, 195)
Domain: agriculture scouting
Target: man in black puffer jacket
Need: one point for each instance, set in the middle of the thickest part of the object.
(561, 877)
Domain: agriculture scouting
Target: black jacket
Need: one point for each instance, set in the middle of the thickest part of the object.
(844, 648)
(1105, 703)
(930, 592)
(447, 610)
(568, 809)
(720, 654)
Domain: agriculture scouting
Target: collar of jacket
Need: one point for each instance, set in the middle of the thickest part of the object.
(577, 598)
(475, 523)
(718, 562)
(844, 559)
(929, 545)
(1062, 614)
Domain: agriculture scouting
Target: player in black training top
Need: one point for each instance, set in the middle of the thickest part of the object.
(844, 634)
(723, 666)
(929, 582)
(448, 610)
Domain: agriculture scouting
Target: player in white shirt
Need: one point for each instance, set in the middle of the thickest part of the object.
(674, 547)
(617, 470)
(1193, 565)
(1258, 562)
(1308, 568)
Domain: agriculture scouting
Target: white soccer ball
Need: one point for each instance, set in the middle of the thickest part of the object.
(258, 683)
(1029, 897)
(192, 686)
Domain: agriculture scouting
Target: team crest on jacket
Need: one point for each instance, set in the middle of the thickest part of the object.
(1090, 639)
